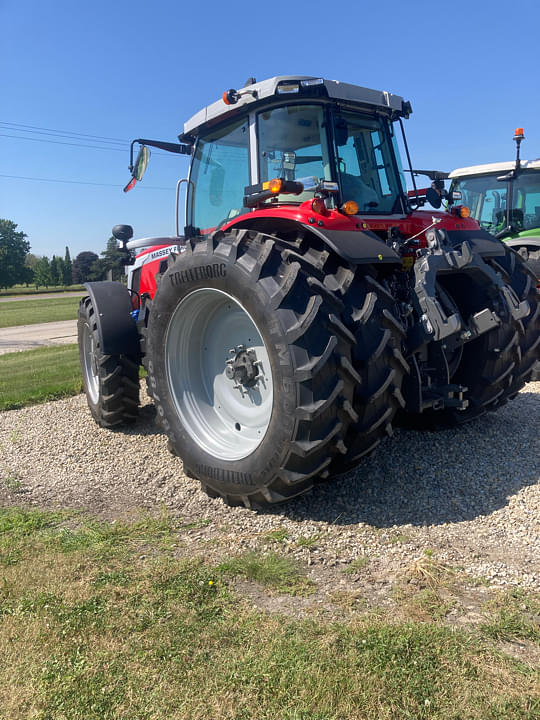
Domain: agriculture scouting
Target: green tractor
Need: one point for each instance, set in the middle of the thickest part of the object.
(504, 198)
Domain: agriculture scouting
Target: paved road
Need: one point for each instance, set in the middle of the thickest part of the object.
(26, 337)
(42, 296)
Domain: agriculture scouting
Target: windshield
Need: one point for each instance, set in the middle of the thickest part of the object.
(526, 198)
(293, 145)
(486, 197)
(219, 174)
(367, 172)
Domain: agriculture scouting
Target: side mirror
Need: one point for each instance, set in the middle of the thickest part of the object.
(122, 233)
(139, 167)
(141, 163)
(434, 198)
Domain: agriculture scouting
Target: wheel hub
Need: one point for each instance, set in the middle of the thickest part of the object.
(243, 368)
(219, 374)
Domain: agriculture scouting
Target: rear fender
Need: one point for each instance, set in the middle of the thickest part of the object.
(117, 330)
(479, 240)
(360, 247)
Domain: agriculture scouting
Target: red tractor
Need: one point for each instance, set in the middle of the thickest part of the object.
(309, 300)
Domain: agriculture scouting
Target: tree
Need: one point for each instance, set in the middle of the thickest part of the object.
(59, 272)
(113, 259)
(13, 249)
(98, 271)
(28, 275)
(30, 262)
(67, 270)
(82, 266)
(55, 277)
(42, 273)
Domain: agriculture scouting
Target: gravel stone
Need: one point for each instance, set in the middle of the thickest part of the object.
(469, 496)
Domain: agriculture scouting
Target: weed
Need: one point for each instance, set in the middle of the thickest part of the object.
(307, 541)
(277, 536)
(196, 524)
(428, 572)
(357, 565)
(348, 600)
(274, 571)
(399, 539)
(12, 483)
(430, 603)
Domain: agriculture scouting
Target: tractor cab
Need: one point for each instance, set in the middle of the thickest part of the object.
(293, 147)
(321, 145)
(504, 197)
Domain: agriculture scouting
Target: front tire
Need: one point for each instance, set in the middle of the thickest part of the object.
(111, 382)
(260, 428)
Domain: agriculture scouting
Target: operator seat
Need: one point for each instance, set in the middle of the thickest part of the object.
(354, 188)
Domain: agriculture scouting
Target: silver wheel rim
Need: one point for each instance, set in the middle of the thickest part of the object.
(226, 418)
(90, 364)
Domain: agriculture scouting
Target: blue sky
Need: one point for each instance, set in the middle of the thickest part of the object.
(120, 70)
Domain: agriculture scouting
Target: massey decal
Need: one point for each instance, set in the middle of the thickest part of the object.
(160, 253)
(204, 272)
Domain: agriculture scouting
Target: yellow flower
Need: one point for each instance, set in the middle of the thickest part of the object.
(210, 582)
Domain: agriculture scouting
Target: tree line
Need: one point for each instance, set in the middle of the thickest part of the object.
(18, 266)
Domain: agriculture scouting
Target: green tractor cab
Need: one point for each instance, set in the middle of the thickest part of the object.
(504, 198)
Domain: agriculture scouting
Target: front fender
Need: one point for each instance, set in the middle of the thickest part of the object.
(117, 330)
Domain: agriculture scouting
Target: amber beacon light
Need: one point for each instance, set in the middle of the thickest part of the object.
(350, 207)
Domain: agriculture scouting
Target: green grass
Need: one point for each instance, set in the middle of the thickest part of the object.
(274, 571)
(276, 536)
(30, 312)
(35, 376)
(357, 565)
(513, 615)
(91, 631)
(23, 290)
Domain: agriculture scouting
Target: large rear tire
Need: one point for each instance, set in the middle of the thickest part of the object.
(485, 365)
(111, 382)
(372, 318)
(524, 283)
(250, 368)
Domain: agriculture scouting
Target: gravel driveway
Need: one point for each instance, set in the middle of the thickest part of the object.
(470, 497)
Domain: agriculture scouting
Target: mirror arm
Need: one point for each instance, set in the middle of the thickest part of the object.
(178, 148)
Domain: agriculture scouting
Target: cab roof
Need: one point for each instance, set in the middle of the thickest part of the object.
(261, 93)
(492, 168)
